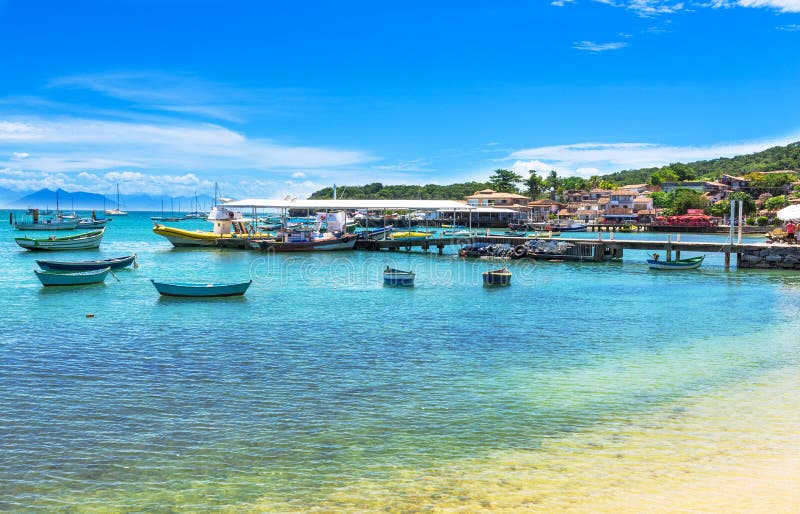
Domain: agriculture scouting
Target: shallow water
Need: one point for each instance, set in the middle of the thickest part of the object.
(322, 389)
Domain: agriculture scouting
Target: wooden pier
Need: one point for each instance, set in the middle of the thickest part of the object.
(588, 249)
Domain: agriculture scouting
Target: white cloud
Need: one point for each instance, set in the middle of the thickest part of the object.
(72, 144)
(795, 27)
(591, 46)
(298, 174)
(561, 3)
(179, 93)
(524, 167)
(779, 5)
(646, 8)
(20, 155)
(586, 159)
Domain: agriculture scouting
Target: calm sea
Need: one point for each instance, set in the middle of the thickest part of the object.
(321, 389)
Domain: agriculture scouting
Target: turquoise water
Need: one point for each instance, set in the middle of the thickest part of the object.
(320, 378)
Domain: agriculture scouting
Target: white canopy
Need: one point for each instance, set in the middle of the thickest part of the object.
(484, 210)
(415, 205)
(790, 213)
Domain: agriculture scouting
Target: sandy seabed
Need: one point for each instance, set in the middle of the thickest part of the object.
(734, 451)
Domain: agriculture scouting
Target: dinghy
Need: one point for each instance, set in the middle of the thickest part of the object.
(201, 290)
(679, 264)
(117, 263)
(71, 278)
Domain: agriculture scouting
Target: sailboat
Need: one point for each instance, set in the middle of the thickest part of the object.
(116, 212)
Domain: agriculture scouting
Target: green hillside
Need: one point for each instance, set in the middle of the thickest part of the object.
(377, 191)
(771, 159)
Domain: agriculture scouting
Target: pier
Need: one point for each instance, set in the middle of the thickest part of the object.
(748, 255)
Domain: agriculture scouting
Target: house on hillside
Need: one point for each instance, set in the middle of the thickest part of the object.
(734, 183)
(491, 198)
(540, 210)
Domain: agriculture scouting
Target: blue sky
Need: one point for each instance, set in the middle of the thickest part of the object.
(276, 98)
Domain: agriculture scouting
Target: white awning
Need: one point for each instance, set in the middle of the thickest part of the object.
(483, 210)
(407, 205)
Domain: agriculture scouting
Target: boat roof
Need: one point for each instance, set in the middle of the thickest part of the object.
(418, 205)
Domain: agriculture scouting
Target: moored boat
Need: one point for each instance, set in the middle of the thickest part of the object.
(373, 234)
(116, 263)
(677, 264)
(201, 290)
(497, 277)
(71, 278)
(93, 223)
(47, 224)
(410, 235)
(227, 225)
(117, 211)
(396, 277)
(306, 241)
(83, 241)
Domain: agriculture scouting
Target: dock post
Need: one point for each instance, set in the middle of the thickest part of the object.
(727, 260)
(677, 254)
(441, 249)
(668, 247)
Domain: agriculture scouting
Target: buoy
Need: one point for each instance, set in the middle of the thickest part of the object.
(90, 315)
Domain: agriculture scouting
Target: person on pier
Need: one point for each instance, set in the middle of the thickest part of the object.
(790, 230)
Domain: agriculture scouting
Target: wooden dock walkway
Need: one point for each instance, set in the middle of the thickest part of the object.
(584, 249)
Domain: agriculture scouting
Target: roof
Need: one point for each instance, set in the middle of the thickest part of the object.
(278, 203)
(624, 193)
(544, 202)
(488, 193)
(642, 199)
(633, 186)
(481, 210)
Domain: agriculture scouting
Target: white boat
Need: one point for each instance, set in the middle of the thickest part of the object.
(83, 241)
(116, 212)
(47, 224)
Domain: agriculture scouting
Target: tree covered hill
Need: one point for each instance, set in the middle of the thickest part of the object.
(377, 191)
(775, 158)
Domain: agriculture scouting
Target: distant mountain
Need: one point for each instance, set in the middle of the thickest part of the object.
(82, 201)
(47, 199)
(7, 196)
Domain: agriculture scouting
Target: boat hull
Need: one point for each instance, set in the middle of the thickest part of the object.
(398, 278)
(183, 238)
(497, 278)
(683, 264)
(194, 290)
(93, 223)
(119, 262)
(44, 225)
(71, 278)
(85, 241)
(342, 243)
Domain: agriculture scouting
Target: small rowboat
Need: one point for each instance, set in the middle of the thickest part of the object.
(396, 277)
(117, 263)
(196, 290)
(692, 263)
(498, 277)
(82, 241)
(72, 278)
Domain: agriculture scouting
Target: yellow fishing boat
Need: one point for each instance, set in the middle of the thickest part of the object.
(228, 226)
